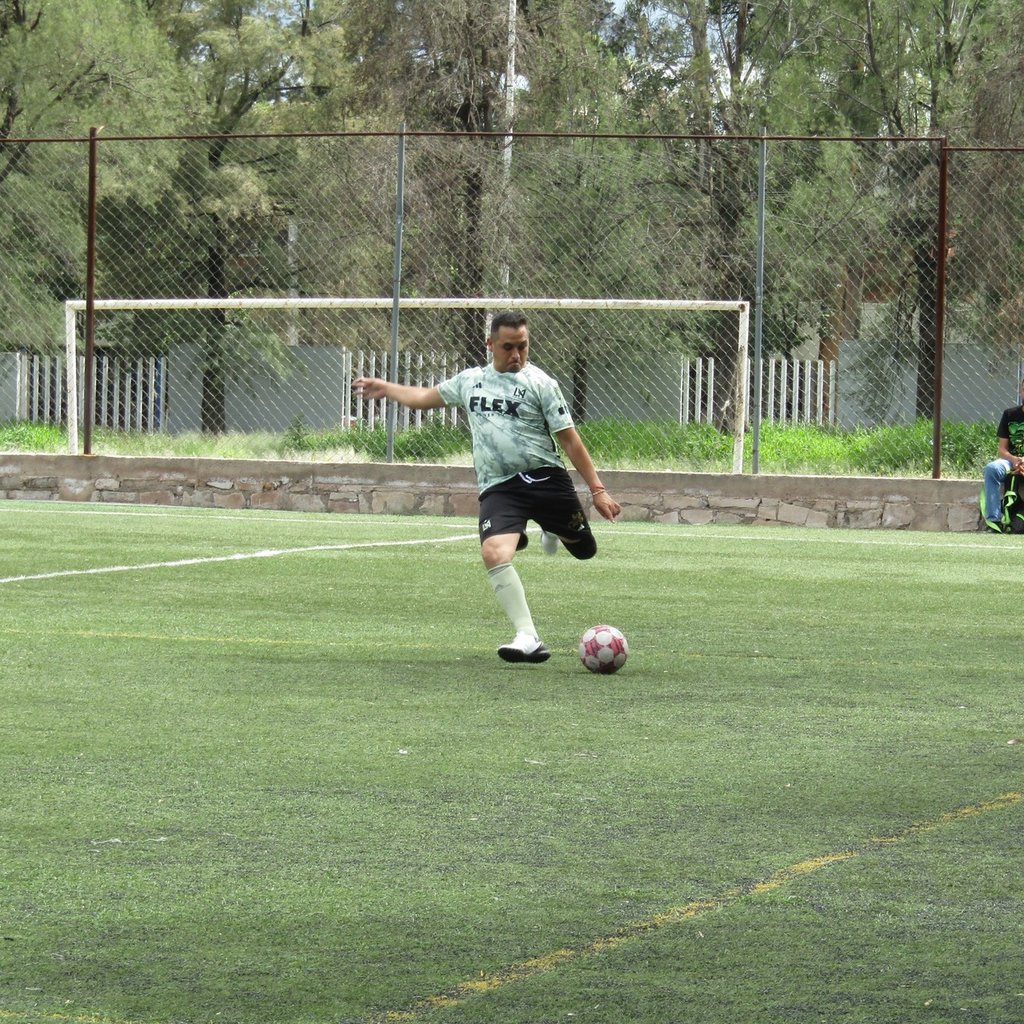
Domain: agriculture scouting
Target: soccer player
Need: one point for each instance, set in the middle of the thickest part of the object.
(515, 410)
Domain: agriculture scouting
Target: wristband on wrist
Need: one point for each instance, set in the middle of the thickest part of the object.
(598, 489)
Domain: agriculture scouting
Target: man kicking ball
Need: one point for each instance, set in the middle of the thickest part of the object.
(515, 412)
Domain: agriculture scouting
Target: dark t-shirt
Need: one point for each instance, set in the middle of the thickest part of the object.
(1011, 426)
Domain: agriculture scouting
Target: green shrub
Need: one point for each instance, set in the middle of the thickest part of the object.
(899, 450)
(371, 443)
(32, 437)
(298, 438)
(804, 448)
(966, 447)
(436, 441)
(618, 443)
(894, 450)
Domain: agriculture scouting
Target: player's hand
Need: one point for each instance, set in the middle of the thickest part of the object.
(607, 506)
(369, 387)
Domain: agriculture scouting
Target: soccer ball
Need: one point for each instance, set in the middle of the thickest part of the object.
(603, 649)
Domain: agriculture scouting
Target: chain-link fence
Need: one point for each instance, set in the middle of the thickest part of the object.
(857, 338)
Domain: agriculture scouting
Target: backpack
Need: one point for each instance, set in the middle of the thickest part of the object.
(1012, 517)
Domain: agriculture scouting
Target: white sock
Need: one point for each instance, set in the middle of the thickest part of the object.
(508, 589)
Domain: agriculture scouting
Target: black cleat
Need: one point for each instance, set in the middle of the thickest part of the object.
(524, 648)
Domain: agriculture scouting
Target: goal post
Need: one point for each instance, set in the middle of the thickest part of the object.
(486, 305)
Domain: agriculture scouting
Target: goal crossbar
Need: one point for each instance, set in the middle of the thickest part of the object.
(741, 307)
(266, 302)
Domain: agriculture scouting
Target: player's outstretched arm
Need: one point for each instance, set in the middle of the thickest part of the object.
(405, 394)
(577, 453)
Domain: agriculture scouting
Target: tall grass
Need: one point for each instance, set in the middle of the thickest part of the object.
(896, 450)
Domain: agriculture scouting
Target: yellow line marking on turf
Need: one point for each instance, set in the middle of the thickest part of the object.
(62, 1018)
(951, 818)
(679, 915)
(527, 969)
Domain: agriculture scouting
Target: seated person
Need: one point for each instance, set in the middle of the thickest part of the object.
(1010, 435)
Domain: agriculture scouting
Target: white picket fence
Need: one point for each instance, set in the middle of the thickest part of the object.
(800, 391)
(130, 394)
(792, 391)
(417, 370)
(133, 394)
(39, 390)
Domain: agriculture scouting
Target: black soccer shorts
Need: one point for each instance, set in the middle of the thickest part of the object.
(548, 497)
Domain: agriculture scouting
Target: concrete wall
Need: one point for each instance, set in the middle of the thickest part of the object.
(695, 498)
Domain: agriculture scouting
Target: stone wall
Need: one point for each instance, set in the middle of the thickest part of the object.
(695, 498)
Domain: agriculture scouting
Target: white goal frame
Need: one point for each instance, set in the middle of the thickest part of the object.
(72, 307)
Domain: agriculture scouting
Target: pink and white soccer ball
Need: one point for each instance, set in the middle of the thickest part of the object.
(603, 649)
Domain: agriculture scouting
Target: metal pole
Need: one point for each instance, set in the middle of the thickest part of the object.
(396, 292)
(89, 398)
(71, 376)
(742, 374)
(755, 463)
(940, 306)
(510, 113)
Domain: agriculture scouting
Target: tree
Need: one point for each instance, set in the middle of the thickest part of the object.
(913, 58)
(439, 66)
(707, 69)
(254, 65)
(66, 65)
(986, 281)
(871, 67)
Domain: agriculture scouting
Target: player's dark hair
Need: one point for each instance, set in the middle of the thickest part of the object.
(509, 318)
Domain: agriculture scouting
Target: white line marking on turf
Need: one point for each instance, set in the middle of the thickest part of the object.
(237, 557)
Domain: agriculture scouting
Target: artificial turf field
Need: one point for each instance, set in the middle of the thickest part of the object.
(267, 768)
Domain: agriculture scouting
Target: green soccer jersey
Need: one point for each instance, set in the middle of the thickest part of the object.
(1011, 426)
(512, 416)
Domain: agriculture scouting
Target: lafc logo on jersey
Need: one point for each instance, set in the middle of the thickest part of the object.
(502, 406)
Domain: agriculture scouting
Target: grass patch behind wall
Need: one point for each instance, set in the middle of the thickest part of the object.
(899, 450)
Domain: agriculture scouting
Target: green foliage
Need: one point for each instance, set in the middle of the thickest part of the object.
(32, 437)
(966, 447)
(69, 65)
(900, 450)
(436, 442)
(299, 439)
(803, 448)
(371, 443)
(617, 442)
(891, 447)
(890, 451)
